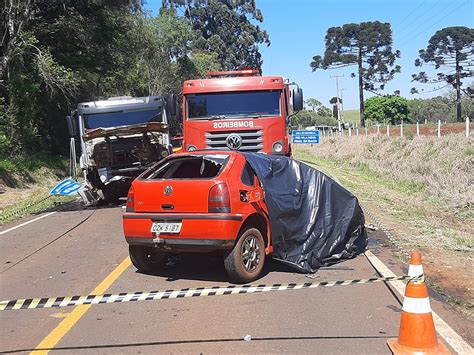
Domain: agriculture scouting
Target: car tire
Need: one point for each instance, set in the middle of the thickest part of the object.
(147, 259)
(245, 262)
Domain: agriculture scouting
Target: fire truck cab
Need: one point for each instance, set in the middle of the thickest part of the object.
(239, 110)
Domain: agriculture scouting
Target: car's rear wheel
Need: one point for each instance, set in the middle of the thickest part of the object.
(147, 259)
(245, 262)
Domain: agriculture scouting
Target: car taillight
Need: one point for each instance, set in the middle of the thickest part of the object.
(219, 199)
(130, 197)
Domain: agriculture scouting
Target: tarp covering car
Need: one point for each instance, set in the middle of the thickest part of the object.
(314, 221)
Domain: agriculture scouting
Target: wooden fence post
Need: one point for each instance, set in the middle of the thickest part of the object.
(439, 128)
(401, 128)
(388, 129)
(467, 126)
(418, 128)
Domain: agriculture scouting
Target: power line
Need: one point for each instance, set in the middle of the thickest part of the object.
(433, 24)
(411, 13)
(418, 21)
(437, 89)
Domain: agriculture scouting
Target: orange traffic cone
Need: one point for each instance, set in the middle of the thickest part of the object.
(417, 333)
(415, 268)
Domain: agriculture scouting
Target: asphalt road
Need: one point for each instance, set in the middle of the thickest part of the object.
(50, 257)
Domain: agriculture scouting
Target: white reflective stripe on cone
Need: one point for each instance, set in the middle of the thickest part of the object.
(415, 270)
(416, 305)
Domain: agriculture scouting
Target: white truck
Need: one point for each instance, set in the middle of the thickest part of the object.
(119, 138)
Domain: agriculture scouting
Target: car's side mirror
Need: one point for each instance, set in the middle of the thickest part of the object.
(297, 99)
(71, 126)
(171, 105)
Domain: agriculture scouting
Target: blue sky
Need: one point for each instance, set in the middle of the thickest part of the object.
(297, 29)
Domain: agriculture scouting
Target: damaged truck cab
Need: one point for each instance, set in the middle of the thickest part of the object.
(119, 139)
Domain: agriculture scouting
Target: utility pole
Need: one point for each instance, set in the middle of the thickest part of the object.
(342, 106)
(337, 101)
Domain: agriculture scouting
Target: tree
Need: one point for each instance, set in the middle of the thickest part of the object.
(387, 109)
(57, 53)
(367, 45)
(306, 118)
(452, 50)
(226, 29)
(313, 103)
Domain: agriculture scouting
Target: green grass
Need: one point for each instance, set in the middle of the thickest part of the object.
(362, 170)
(19, 172)
(30, 206)
(14, 165)
(352, 116)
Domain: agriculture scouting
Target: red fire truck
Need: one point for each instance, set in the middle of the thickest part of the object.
(239, 110)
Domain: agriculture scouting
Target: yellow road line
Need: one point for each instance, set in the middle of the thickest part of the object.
(65, 326)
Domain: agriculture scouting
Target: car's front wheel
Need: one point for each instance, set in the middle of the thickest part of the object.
(245, 262)
(147, 259)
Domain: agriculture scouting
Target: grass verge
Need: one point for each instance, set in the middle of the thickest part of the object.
(26, 182)
(418, 222)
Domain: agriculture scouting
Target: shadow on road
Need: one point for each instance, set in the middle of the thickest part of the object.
(208, 267)
(201, 341)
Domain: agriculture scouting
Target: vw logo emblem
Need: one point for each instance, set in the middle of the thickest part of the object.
(168, 190)
(234, 141)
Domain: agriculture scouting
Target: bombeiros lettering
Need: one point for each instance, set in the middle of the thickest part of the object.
(234, 124)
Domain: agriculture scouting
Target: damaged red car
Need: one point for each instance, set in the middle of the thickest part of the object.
(199, 202)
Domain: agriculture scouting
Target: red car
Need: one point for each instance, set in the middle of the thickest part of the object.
(199, 202)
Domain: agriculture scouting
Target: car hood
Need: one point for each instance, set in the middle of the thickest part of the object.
(126, 130)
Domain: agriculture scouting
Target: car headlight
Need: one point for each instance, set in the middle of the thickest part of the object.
(277, 147)
(190, 147)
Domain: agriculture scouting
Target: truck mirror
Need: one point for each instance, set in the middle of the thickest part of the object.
(71, 126)
(297, 99)
(171, 104)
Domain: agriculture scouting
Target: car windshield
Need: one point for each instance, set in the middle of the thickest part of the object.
(233, 104)
(189, 167)
(122, 118)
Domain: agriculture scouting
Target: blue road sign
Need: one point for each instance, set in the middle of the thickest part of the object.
(66, 187)
(305, 137)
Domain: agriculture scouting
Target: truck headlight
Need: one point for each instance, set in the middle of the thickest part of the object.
(190, 148)
(278, 147)
(164, 153)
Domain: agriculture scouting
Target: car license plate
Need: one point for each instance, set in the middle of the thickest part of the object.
(164, 227)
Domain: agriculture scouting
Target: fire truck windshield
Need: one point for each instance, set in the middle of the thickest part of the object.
(124, 118)
(233, 104)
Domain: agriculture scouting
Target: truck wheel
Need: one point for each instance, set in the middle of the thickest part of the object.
(147, 259)
(245, 262)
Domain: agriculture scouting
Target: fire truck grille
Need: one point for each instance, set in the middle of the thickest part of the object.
(248, 140)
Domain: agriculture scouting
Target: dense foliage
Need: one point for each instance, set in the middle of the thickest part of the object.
(57, 53)
(386, 109)
(451, 50)
(367, 45)
(225, 27)
(306, 118)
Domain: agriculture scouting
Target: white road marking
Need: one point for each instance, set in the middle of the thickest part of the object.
(449, 334)
(24, 224)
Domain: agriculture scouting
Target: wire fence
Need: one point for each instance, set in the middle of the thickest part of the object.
(402, 130)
